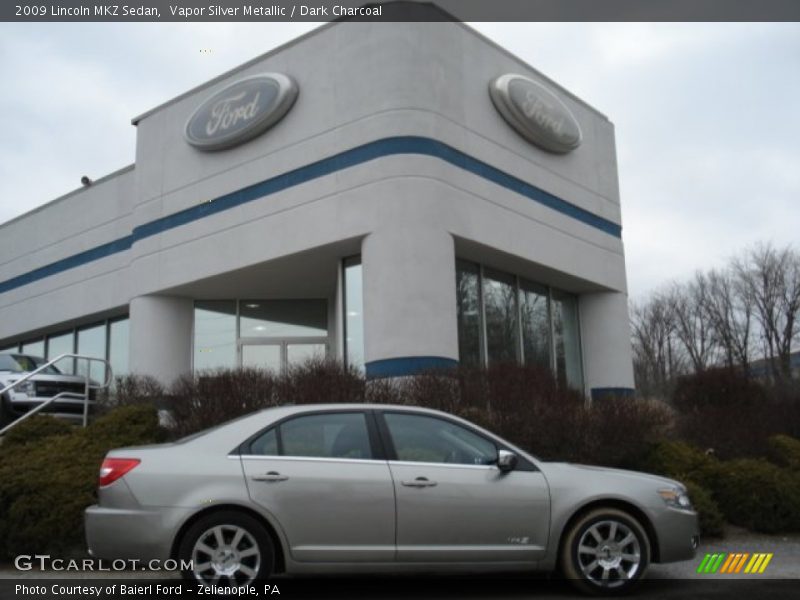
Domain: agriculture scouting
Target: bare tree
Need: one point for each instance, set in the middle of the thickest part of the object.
(691, 326)
(657, 359)
(771, 277)
(728, 306)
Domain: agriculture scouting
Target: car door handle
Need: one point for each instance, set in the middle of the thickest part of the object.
(419, 482)
(271, 476)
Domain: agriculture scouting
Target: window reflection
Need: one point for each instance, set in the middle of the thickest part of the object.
(496, 311)
(33, 348)
(500, 307)
(567, 339)
(119, 346)
(58, 345)
(535, 316)
(92, 342)
(469, 319)
(283, 318)
(354, 312)
(214, 334)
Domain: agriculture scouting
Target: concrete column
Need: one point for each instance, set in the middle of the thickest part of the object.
(606, 340)
(161, 336)
(409, 301)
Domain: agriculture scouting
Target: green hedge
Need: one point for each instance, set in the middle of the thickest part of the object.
(752, 493)
(785, 451)
(758, 495)
(48, 476)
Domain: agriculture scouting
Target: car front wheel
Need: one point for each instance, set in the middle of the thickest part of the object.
(606, 551)
(228, 549)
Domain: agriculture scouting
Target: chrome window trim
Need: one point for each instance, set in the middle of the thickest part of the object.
(307, 458)
(412, 463)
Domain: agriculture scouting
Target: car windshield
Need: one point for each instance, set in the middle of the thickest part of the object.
(22, 363)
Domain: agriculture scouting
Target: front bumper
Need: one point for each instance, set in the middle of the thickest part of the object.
(678, 534)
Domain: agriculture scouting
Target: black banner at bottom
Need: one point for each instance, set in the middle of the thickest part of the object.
(399, 587)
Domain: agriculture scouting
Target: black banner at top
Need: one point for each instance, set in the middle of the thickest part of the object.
(404, 10)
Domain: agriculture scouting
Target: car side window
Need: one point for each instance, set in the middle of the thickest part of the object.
(329, 435)
(419, 438)
(266, 444)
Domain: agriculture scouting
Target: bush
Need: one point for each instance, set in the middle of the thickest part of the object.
(134, 389)
(45, 486)
(758, 495)
(35, 429)
(681, 461)
(620, 430)
(725, 410)
(785, 451)
(200, 401)
(712, 521)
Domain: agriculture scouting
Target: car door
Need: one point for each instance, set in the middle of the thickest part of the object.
(322, 479)
(453, 504)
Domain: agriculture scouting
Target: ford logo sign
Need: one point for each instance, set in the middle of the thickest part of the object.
(241, 111)
(536, 113)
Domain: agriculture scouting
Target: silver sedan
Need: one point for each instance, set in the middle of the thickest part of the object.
(352, 488)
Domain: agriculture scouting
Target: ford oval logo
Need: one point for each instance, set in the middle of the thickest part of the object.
(536, 113)
(241, 111)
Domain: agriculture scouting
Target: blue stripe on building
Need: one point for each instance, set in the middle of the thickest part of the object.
(407, 365)
(392, 146)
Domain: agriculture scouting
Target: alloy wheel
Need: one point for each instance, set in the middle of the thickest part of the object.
(226, 554)
(609, 553)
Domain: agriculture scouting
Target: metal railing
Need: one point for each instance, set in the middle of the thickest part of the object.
(88, 385)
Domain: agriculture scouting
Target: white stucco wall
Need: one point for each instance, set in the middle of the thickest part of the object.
(359, 82)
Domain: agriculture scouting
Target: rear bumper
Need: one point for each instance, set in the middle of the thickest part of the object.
(130, 534)
(678, 534)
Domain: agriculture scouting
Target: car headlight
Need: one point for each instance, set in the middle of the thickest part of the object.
(26, 387)
(676, 498)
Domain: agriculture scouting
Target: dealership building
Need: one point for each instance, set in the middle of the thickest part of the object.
(401, 196)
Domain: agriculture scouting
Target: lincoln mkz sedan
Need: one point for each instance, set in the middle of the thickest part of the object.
(354, 489)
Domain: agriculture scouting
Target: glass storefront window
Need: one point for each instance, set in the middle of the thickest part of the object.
(500, 308)
(9, 349)
(62, 344)
(214, 334)
(92, 342)
(469, 309)
(535, 317)
(283, 318)
(118, 346)
(354, 313)
(297, 354)
(262, 356)
(503, 318)
(567, 339)
(33, 348)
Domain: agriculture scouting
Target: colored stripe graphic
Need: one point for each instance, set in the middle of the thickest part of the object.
(734, 563)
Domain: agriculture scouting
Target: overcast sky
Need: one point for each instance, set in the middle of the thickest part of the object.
(706, 115)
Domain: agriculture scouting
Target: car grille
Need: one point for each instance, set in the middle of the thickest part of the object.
(48, 389)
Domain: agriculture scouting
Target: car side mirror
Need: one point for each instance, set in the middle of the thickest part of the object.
(506, 461)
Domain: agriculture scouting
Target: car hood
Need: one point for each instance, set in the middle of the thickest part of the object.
(562, 469)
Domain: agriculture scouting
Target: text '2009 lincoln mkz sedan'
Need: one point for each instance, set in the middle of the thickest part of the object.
(366, 489)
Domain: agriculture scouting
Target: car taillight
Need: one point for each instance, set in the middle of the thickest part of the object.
(114, 468)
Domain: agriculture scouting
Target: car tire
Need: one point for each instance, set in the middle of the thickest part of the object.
(605, 551)
(227, 548)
